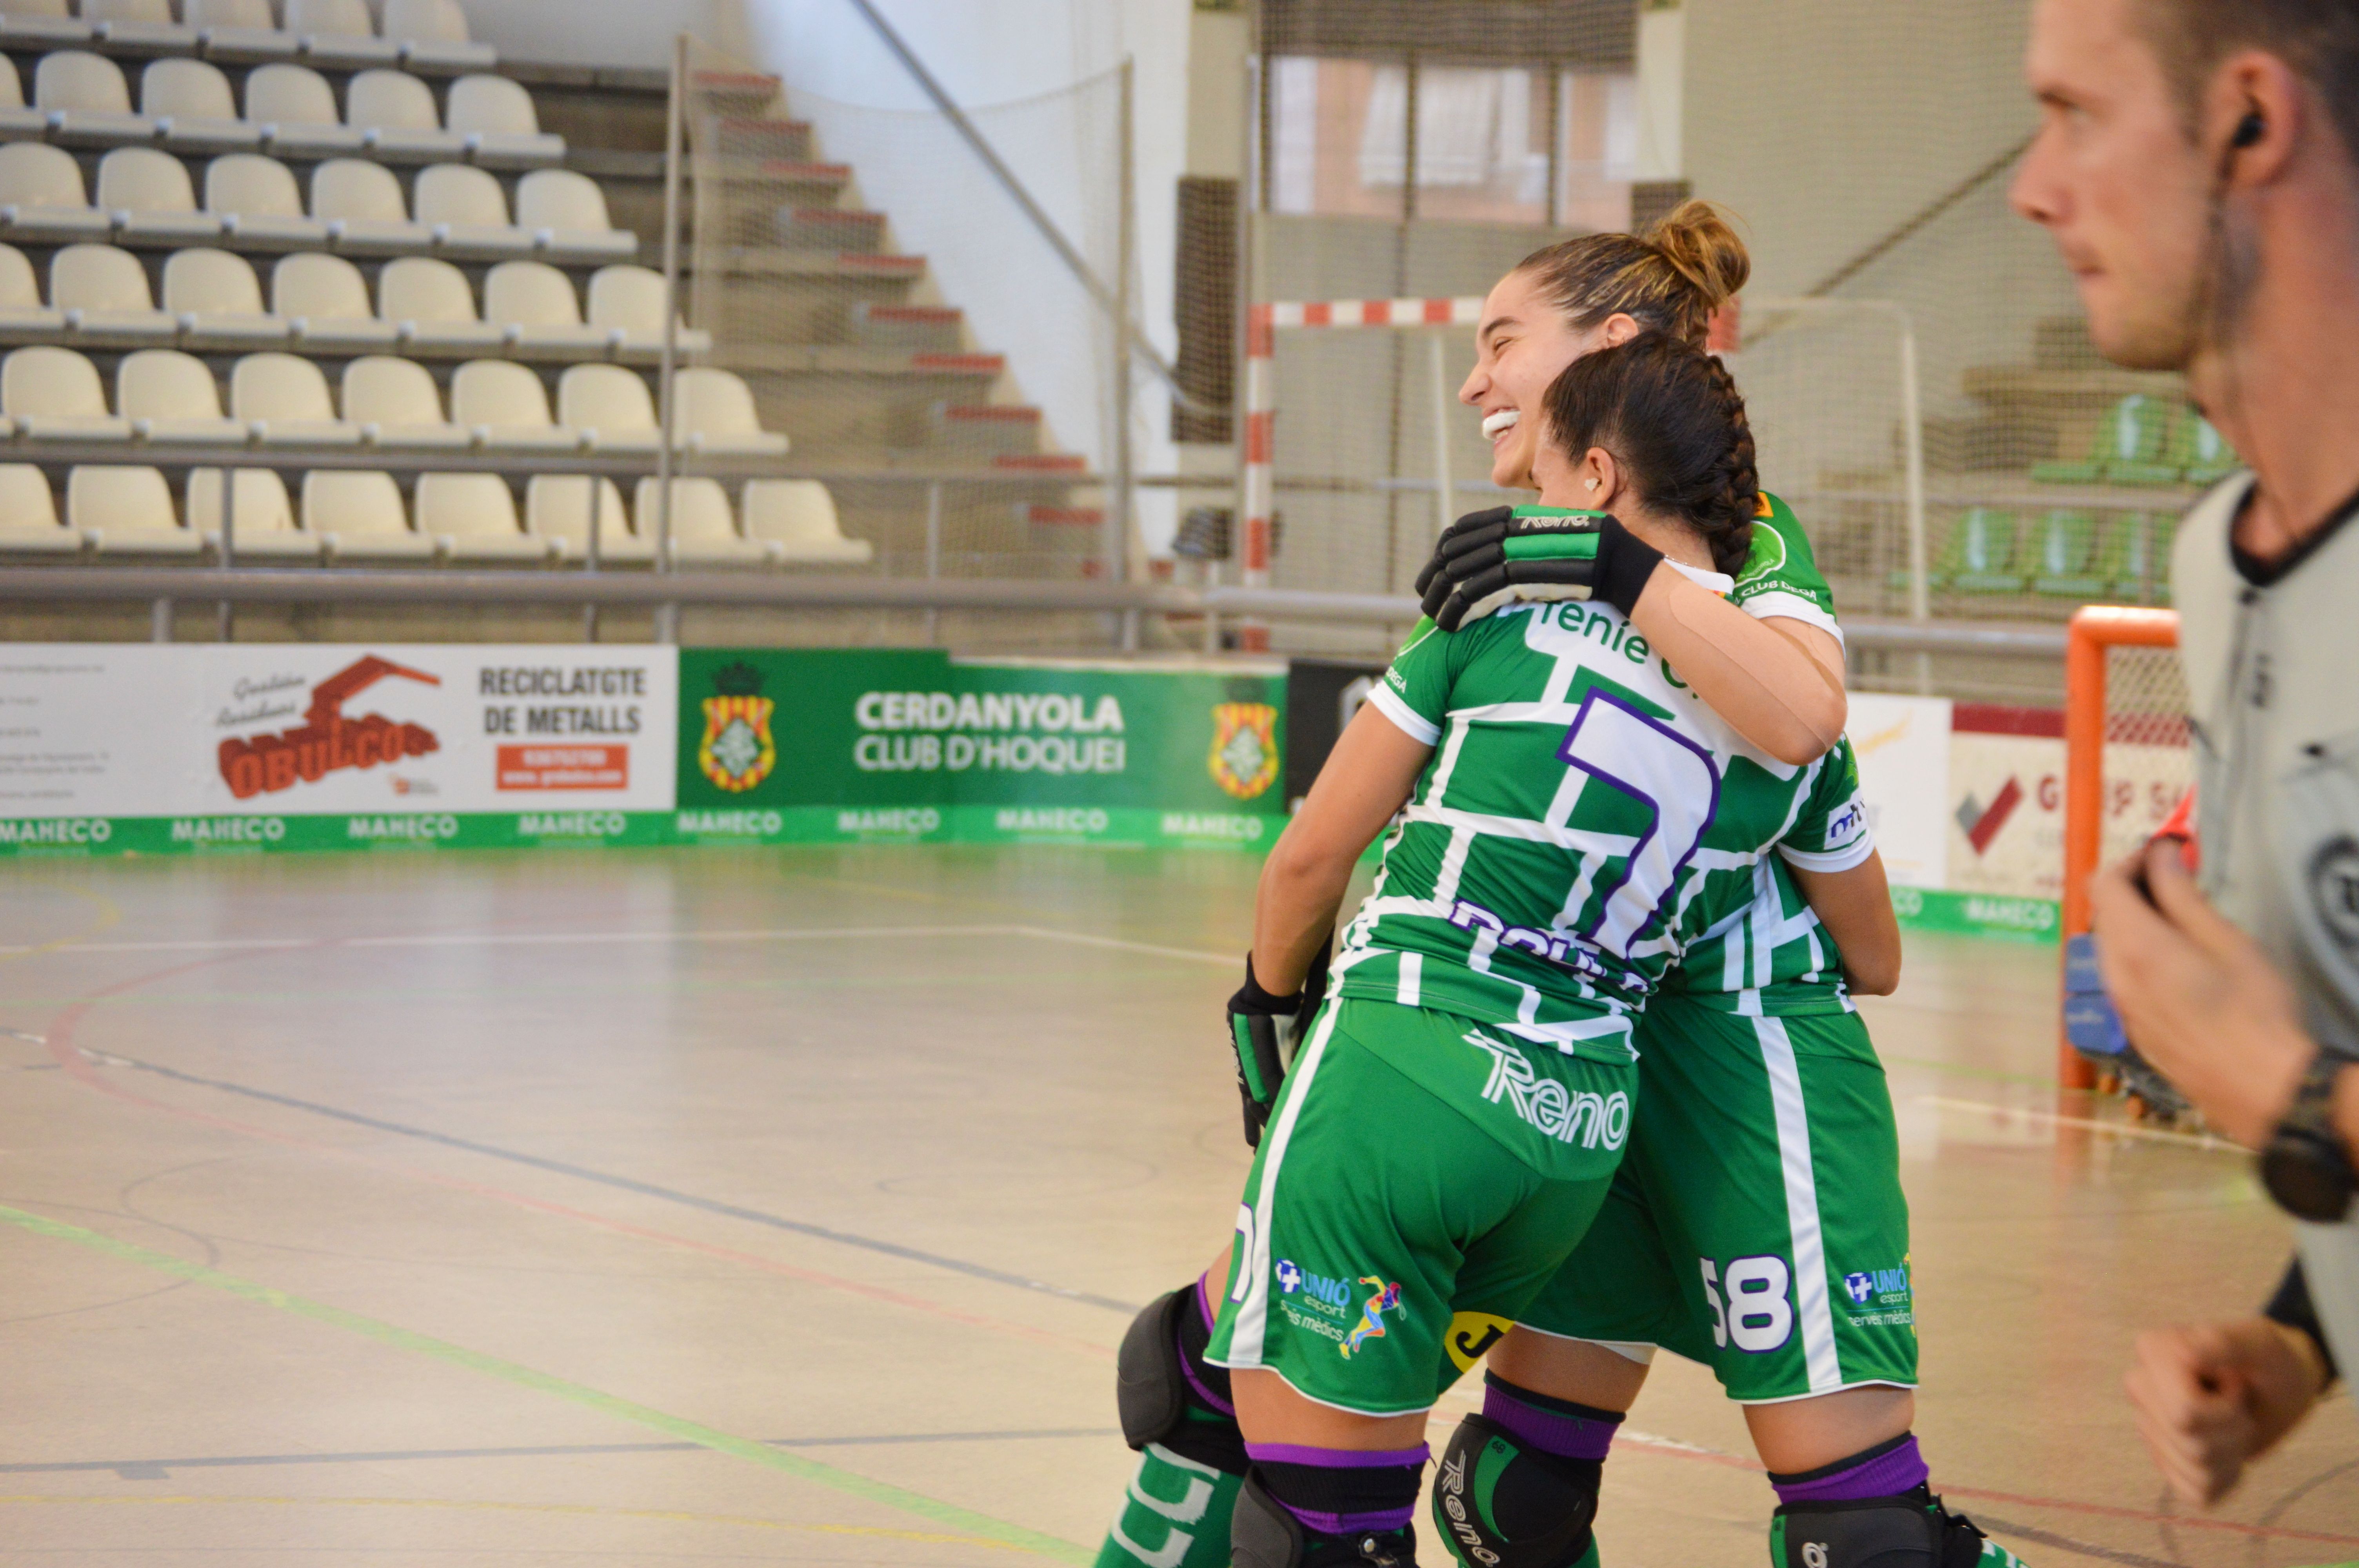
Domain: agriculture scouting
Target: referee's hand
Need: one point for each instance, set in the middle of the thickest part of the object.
(2212, 1398)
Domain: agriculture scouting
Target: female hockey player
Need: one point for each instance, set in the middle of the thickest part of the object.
(1562, 302)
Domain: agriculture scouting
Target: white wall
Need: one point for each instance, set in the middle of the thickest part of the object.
(603, 32)
(944, 204)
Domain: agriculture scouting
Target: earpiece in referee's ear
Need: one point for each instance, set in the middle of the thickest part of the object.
(2250, 130)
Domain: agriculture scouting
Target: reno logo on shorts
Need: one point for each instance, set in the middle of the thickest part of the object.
(1569, 1116)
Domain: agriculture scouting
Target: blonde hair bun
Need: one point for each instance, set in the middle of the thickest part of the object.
(1696, 239)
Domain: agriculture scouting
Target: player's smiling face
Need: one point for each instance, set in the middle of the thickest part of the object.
(1523, 344)
(2115, 180)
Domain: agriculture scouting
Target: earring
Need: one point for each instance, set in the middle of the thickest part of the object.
(1593, 484)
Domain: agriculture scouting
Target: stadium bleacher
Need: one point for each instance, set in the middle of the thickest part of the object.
(324, 231)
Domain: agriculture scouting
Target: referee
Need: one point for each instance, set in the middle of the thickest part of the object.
(2198, 166)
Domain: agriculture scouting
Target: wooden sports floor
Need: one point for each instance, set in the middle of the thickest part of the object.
(786, 1207)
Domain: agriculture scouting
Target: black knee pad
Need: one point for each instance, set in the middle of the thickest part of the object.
(1153, 1396)
(1911, 1530)
(1499, 1504)
(1263, 1534)
(1150, 1387)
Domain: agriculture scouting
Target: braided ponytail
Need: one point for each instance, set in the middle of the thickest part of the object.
(1673, 418)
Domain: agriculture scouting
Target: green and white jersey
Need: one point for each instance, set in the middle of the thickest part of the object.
(1582, 808)
(1781, 577)
(1768, 956)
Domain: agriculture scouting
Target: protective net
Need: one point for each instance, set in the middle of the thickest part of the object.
(1897, 306)
(2147, 764)
(939, 366)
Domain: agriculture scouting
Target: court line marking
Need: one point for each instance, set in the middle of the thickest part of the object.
(1668, 1448)
(77, 1064)
(622, 1184)
(614, 1405)
(586, 938)
(2204, 1141)
(161, 1469)
(584, 1510)
(110, 914)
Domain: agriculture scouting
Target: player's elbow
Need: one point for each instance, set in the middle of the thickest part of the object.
(1878, 975)
(1807, 730)
(1305, 857)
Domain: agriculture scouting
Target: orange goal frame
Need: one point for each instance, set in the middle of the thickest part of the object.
(2094, 629)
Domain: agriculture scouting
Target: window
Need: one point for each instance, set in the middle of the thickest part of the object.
(1490, 144)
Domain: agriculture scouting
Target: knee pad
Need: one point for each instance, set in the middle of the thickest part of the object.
(1155, 1396)
(1263, 1534)
(1911, 1530)
(1150, 1387)
(1499, 1504)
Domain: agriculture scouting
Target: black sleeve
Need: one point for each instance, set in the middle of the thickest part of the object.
(2291, 1306)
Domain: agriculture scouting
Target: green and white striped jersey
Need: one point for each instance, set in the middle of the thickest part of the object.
(1582, 816)
(1781, 576)
(1768, 956)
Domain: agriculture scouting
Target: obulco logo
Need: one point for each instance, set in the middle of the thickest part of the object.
(328, 740)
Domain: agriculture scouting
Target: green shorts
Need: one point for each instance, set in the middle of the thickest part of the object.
(1757, 1224)
(1423, 1176)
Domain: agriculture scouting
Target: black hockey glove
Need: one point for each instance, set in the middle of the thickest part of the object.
(1267, 1031)
(1489, 558)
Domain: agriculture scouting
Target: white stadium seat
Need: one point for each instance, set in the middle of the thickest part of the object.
(125, 511)
(41, 196)
(172, 396)
(712, 413)
(473, 517)
(28, 515)
(361, 205)
(238, 29)
(218, 301)
(703, 529)
(797, 518)
(266, 522)
(146, 194)
(258, 202)
(142, 25)
(394, 114)
(533, 304)
(297, 111)
(88, 102)
(359, 516)
(610, 406)
(54, 394)
(338, 34)
(431, 303)
(501, 130)
(626, 301)
(433, 33)
(22, 314)
(285, 398)
(34, 23)
(16, 120)
(193, 107)
(396, 404)
(567, 215)
(326, 303)
(104, 295)
(507, 407)
(468, 211)
(563, 507)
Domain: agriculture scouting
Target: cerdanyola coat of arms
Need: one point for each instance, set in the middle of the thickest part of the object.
(1245, 748)
(736, 753)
